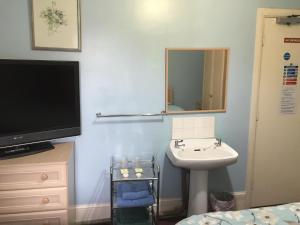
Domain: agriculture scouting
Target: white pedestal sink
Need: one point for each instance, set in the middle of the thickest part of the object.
(200, 155)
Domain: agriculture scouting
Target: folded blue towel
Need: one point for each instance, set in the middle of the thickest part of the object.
(135, 203)
(135, 195)
(133, 186)
(133, 190)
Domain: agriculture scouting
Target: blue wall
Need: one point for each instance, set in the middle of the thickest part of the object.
(122, 71)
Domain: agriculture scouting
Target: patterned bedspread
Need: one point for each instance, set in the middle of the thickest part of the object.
(276, 215)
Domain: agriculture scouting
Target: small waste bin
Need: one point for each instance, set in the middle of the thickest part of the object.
(221, 201)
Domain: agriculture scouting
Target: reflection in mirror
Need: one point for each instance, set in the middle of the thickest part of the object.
(196, 80)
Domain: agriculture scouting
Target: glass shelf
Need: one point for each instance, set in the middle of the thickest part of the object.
(150, 171)
(148, 174)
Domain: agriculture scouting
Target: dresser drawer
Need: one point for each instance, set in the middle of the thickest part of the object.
(27, 177)
(39, 218)
(33, 200)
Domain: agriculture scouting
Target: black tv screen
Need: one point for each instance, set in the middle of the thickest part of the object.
(39, 101)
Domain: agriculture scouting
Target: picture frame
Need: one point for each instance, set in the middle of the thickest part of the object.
(56, 25)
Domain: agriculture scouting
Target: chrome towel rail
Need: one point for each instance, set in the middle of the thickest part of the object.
(100, 115)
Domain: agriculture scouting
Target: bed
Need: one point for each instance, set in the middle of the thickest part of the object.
(171, 106)
(275, 215)
(175, 108)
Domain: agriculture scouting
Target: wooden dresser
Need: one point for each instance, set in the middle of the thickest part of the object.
(38, 189)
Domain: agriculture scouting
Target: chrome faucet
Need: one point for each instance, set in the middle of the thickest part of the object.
(219, 142)
(177, 145)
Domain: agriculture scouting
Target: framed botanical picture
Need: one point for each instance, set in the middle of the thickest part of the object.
(56, 25)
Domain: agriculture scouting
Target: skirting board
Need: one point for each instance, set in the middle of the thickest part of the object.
(98, 212)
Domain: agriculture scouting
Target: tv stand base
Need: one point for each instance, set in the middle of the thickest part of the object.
(23, 150)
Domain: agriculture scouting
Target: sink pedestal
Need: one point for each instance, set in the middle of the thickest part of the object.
(198, 192)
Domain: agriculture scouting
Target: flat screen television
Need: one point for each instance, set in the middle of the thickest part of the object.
(39, 101)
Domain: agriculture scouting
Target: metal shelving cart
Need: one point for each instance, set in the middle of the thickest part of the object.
(151, 173)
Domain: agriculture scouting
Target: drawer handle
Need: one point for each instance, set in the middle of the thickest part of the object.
(45, 200)
(44, 177)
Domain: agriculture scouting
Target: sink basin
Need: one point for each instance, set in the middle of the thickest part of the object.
(201, 154)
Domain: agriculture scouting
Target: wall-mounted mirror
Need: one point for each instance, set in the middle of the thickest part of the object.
(196, 80)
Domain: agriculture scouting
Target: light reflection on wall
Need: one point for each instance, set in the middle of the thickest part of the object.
(153, 11)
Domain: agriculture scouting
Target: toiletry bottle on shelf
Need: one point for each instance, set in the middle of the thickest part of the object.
(124, 167)
(137, 167)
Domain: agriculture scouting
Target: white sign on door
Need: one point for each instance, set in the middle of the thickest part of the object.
(288, 100)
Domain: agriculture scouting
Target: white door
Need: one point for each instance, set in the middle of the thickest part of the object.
(276, 166)
(213, 93)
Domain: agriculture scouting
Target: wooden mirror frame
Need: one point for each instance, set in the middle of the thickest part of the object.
(168, 92)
